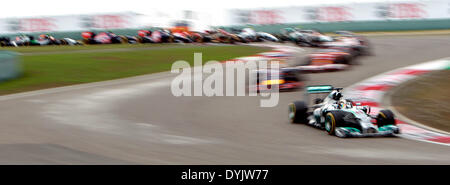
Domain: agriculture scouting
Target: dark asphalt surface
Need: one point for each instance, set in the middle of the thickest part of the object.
(138, 121)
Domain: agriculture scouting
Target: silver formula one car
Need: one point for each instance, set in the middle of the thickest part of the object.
(339, 116)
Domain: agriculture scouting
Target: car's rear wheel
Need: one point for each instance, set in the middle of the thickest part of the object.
(199, 39)
(63, 42)
(357, 51)
(385, 117)
(298, 112)
(231, 40)
(342, 60)
(139, 40)
(299, 43)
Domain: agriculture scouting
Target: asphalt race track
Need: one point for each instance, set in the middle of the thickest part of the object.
(138, 121)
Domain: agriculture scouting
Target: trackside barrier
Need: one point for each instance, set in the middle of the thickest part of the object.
(370, 26)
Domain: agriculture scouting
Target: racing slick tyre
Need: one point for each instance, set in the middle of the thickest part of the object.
(231, 41)
(298, 112)
(385, 117)
(139, 40)
(299, 43)
(79, 42)
(123, 40)
(334, 119)
(198, 40)
(362, 51)
(86, 41)
(63, 42)
(343, 60)
(244, 41)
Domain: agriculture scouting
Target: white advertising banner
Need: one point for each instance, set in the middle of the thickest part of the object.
(432, 9)
(68, 23)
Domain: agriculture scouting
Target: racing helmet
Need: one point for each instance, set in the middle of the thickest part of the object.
(337, 96)
(342, 104)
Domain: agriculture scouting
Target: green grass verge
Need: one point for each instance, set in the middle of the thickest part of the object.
(53, 70)
(426, 100)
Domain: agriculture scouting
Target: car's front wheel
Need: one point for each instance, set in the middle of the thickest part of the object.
(385, 117)
(333, 119)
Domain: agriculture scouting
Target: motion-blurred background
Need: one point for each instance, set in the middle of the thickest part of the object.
(69, 18)
(130, 115)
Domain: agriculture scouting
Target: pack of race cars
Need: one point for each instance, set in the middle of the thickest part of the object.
(335, 51)
(245, 35)
(42, 40)
(331, 112)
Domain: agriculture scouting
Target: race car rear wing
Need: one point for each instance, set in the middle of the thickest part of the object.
(318, 93)
(319, 89)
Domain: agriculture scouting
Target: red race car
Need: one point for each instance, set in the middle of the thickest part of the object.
(287, 79)
(330, 56)
(103, 38)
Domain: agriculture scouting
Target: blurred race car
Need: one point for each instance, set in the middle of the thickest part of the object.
(248, 34)
(286, 79)
(315, 37)
(144, 36)
(296, 36)
(46, 39)
(69, 41)
(329, 111)
(25, 40)
(43, 40)
(263, 36)
(199, 36)
(222, 36)
(330, 56)
(103, 38)
(156, 36)
(6, 41)
(182, 37)
(358, 44)
(252, 36)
